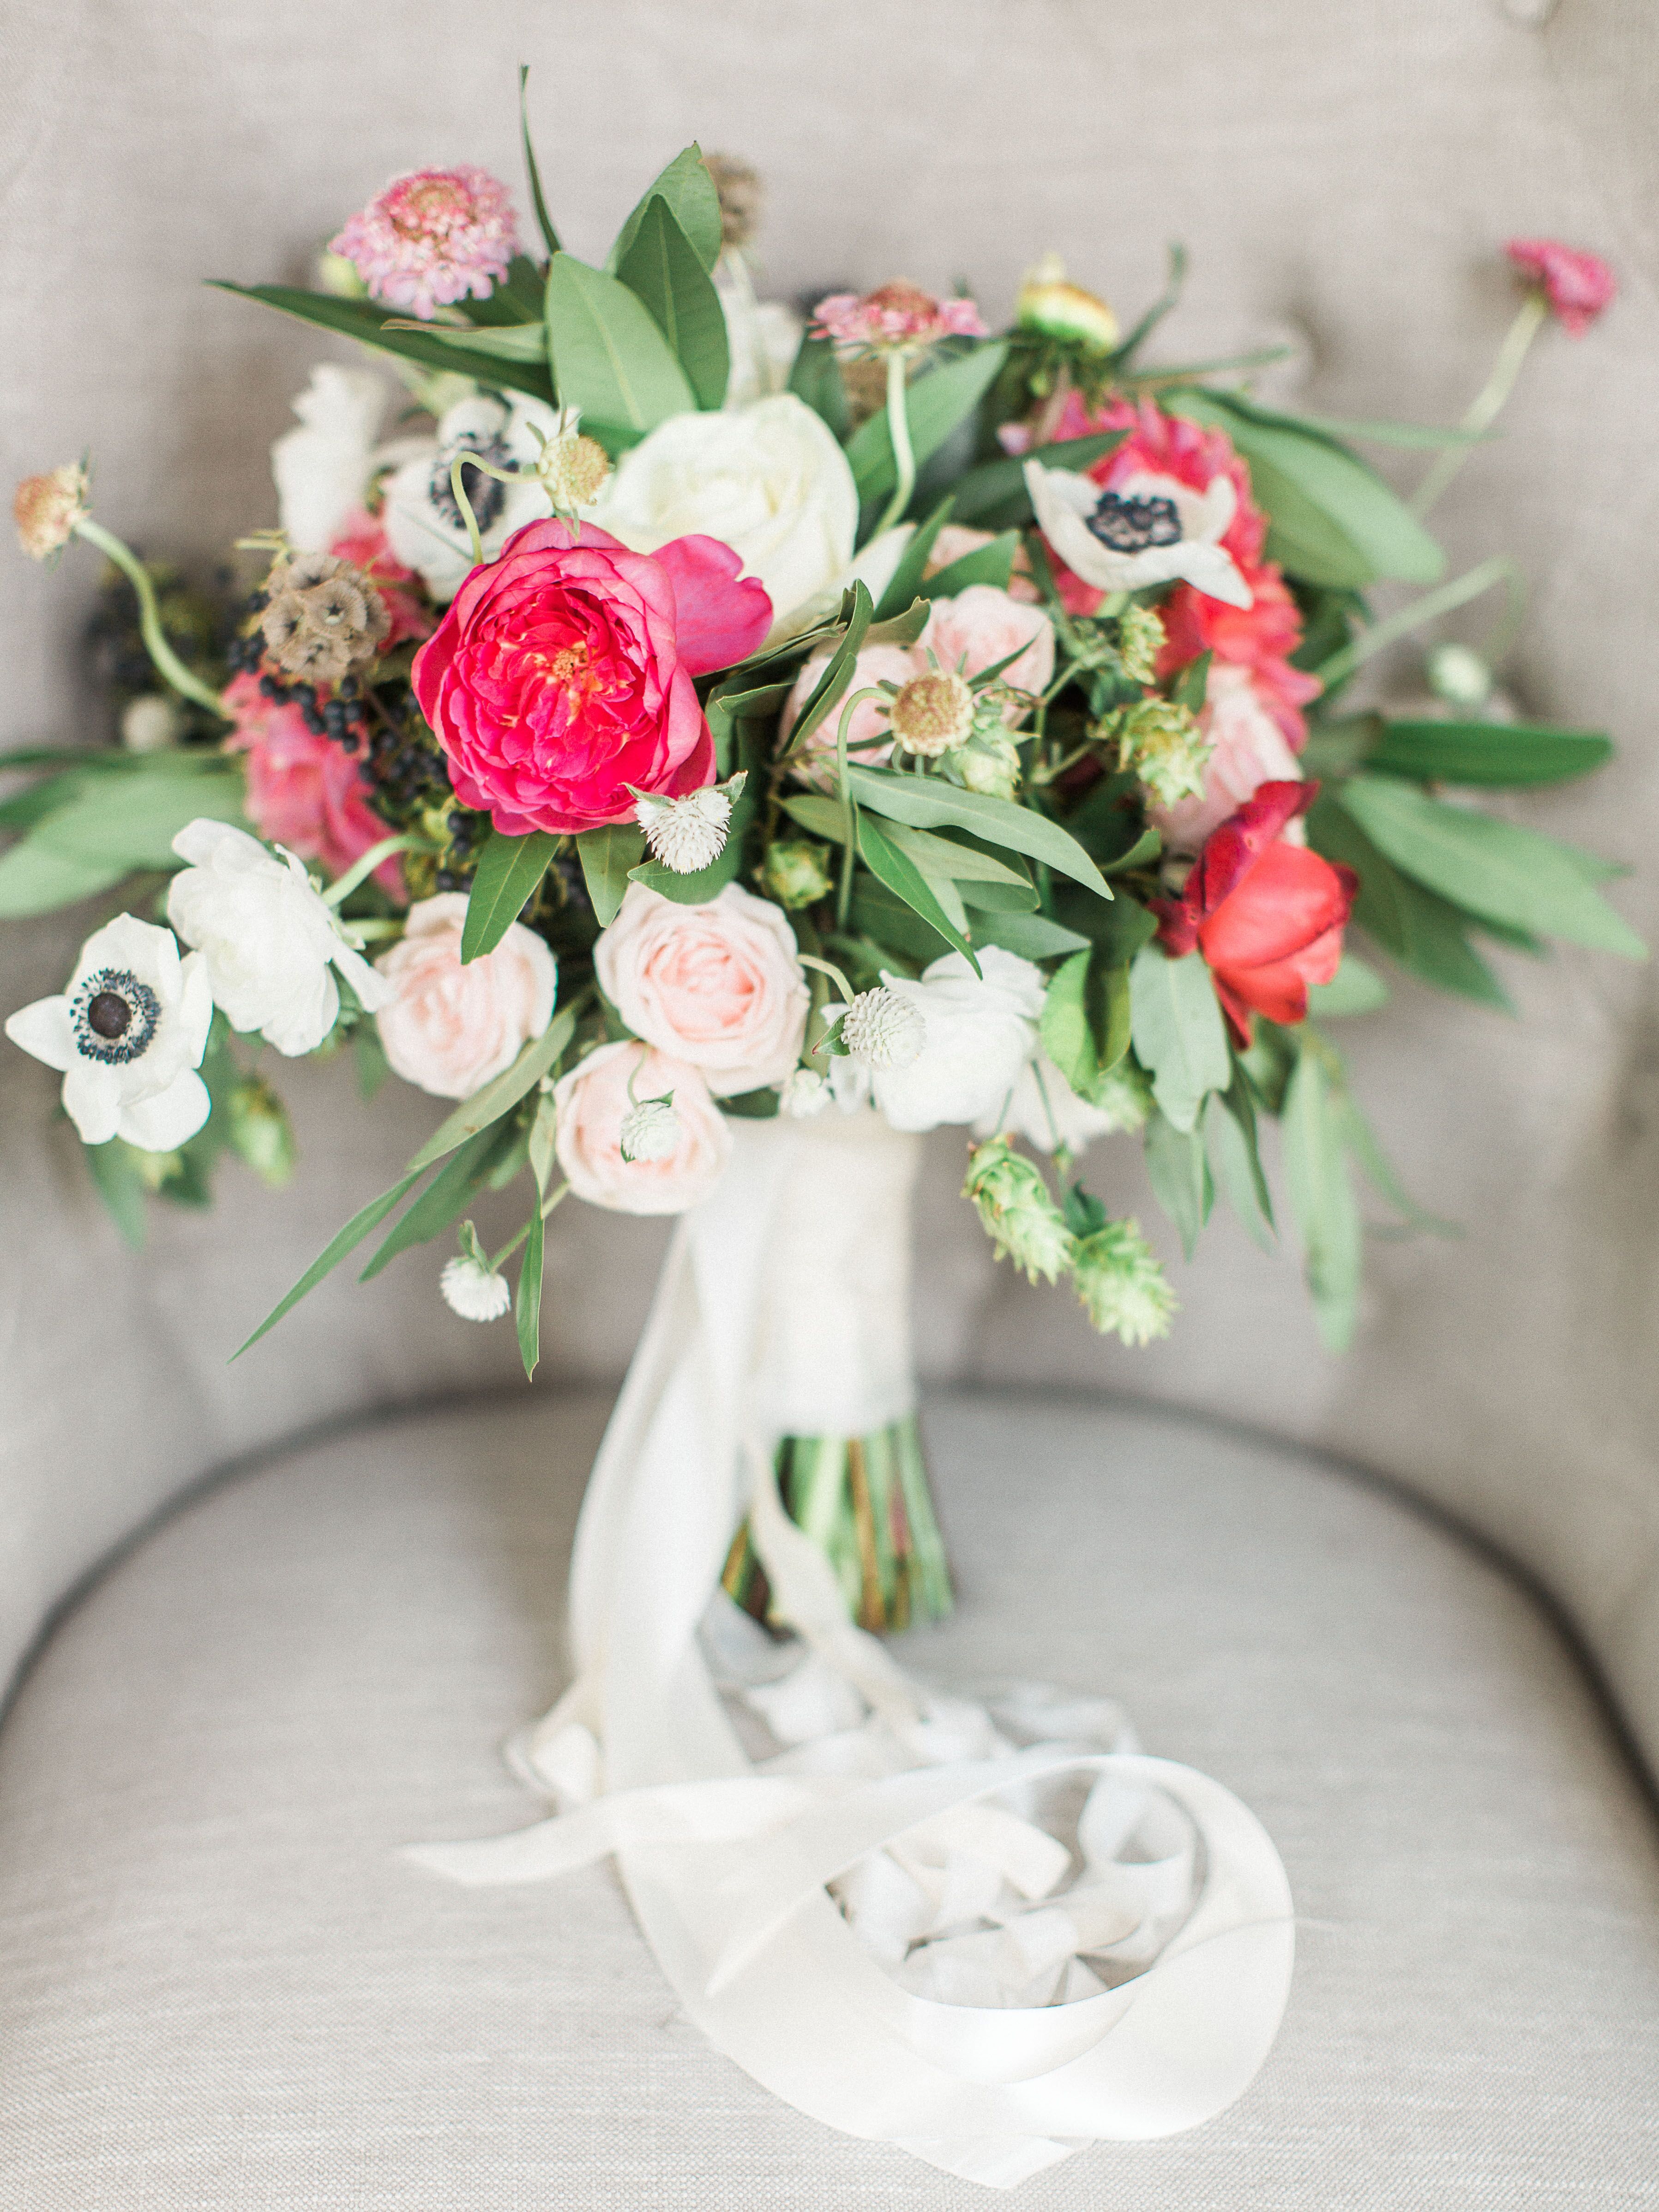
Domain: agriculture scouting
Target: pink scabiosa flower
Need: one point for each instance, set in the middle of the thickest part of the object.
(1578, 286)
(898, 318)
(432, 237)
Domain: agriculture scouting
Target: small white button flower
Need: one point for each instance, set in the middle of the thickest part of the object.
(128, 1033)
(651, 1130)
(882, 1029)
(803, 1094)
(688, 834)
(269, 940)
(1148, 530)
(470, 1287)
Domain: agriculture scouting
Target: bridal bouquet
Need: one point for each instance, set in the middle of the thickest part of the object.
(684, 711)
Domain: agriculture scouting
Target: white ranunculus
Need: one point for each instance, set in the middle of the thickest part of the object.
(323, 466)
(981, 1033)
(269, 940)
(1047, 1112)
(1147, 529)
(128, 1033)
(424, 525)
(768, 480)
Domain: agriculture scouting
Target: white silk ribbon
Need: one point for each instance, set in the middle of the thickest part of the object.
(983, 1929)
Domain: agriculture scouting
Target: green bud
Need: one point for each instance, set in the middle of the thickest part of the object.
(1121, 1285)
(1018, 1211)
(156, 1169)
(1458, 675)
(258, 1126)
(1164, 746)
(989, 763)
(1124, 1095)
(793, 874)
(1139, 641)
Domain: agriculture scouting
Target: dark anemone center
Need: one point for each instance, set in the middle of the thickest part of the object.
(485, 495)
(114, 1017)
(1131, 525)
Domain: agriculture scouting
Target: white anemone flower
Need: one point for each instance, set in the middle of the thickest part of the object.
(128, 1033)
(424, 525)
(1150, 529)
(271, 941)
(322, 466)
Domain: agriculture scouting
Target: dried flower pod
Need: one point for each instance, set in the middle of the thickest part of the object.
(323, 618)
(933, 713)
(741, 196)
(47, 509)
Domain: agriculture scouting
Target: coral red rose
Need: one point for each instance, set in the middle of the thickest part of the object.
(562, 673)
(1267, 916)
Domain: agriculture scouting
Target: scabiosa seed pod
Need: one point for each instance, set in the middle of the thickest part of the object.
(323, 619)
(932, 713)
(882, 1029)
(1164, 746)
(651, 1130)
(1018, 1211)
(573, 470)
(1121, 1285)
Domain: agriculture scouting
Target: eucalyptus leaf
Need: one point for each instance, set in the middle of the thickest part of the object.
(839, 670)
(608, 357)
(115, 1175)
(986, 564)
(509, 869)
(1230, 1144)
(1355, 988)
(816, 380)
(544, 221)
(1180, 1038)
(450, 1192)
(1423, 932)
(662, 267)
(1374, 1165)
(935, 403)
(607, 856)
(905, 586)
(1033, 936)
(110, 826)
(516, 342)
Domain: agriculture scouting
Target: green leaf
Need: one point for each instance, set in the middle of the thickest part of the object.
(1180, 1038)
(663, 268)
(527, 1299)
(1500, 753)
(1180, 1176)
(509, 869)
(1354, 989)
(450, 1192)
(838, 673)
(905, 585)
(347, 1240)
(1192, 684)
(1323, 1202)
(1145, 849)
(607, 855)
(894, 928)
(983, 493)
(1230, 1144)
(930, 803)
(1333, 519)
(608, 357)
(1086, 1025)
(1374, 1165)
(688, 190)
(372, 1066)
(116, 1179)
(884, 861)
(1117, 931)
(1497, 869)
(1424, 933)
(516, 299)
(1033, 936)
(936, 403)
(816, 380)
(516, 341)
(986, 564)
(366, 320)
(1128, 348)
(500, 1097)
(544, 221)
(110, 826)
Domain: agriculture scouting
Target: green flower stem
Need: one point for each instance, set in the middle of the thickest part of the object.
(849, 806)
(507, 1250)
(167, 663)
(828, 968)
(1498, 570)
(898, 429)
(1533, 313)
(474, 542)
(365, 863)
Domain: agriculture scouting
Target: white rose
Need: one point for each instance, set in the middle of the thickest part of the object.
(452, 1029)
(323, 466)
(269, 940)
(768, 480)
(128, 1033)
(424, 525)
(980, 1035)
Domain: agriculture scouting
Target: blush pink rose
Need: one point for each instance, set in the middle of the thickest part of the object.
(590, 1103)
(450, 1029)
(719, 985)
(305, 791)
(957, 540)
(1250, 750)
(867, 742)
(562, 673)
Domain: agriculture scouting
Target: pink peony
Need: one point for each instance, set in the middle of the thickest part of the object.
(976, 629)
(432, 237)
(718, 985)
(1251, 749)
(562, 674)
(450, 1029)
(590, 1103)
(1578, 286)
(898, 318)
(305, 791)
(362, 540)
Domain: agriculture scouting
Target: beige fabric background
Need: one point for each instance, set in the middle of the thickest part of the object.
(1346, 169)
